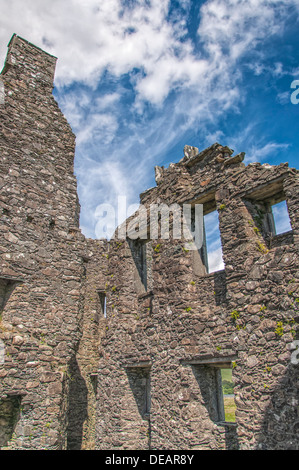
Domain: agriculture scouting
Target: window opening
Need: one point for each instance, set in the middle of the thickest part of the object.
(10, 414)
(212, 248)
(140, 383)
(216, 385)
(228, 395)
(94, 382)
(139, 255)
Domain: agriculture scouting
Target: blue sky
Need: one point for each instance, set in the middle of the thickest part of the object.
(139, 79)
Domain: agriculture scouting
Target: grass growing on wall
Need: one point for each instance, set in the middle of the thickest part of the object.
(230, 409)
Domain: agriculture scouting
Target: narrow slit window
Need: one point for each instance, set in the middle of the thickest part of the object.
(268, 208)
(147, 394)
(2, 93)
(140, 383)
(212, 256)
(139, 255)
(281, 220)
(102, 304)
(143, 264)
(94, 383)
(10, 415)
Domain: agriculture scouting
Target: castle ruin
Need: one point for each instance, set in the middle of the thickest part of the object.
(120, 344)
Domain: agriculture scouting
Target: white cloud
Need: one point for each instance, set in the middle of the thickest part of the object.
(284, 97)
(239, 24)
(255, 146)
(90, 37)
(93, 36)
(281, 218)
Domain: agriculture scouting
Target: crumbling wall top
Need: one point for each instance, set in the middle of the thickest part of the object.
(32, 63)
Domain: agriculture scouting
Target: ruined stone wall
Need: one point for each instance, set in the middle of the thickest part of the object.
(41, 265)
(190, 321)
(84, 368)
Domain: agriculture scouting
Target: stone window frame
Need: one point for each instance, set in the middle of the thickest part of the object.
(102, 304)
(7, 287)
(2, 93)
(200, 257)
(15, 415)
(138, 249)
(143, 368)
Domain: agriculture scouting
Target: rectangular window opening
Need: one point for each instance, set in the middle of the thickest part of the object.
(10, 414)
(140, 383)
(94, 383)
(102, 308)
(211, 255)
(228, 396)
(212, 249)
(7, 287)
(139, 254)
(217, 389)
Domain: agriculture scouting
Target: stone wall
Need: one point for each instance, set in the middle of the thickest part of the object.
(84, 371)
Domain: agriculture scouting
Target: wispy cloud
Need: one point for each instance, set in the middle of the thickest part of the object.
(281, 218)
(132, 81)
(257, 146)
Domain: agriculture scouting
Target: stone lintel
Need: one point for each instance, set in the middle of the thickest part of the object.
(35, 63)
(138, 364)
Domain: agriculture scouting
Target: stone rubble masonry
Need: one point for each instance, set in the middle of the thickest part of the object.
(43, 256)
(141, 372)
